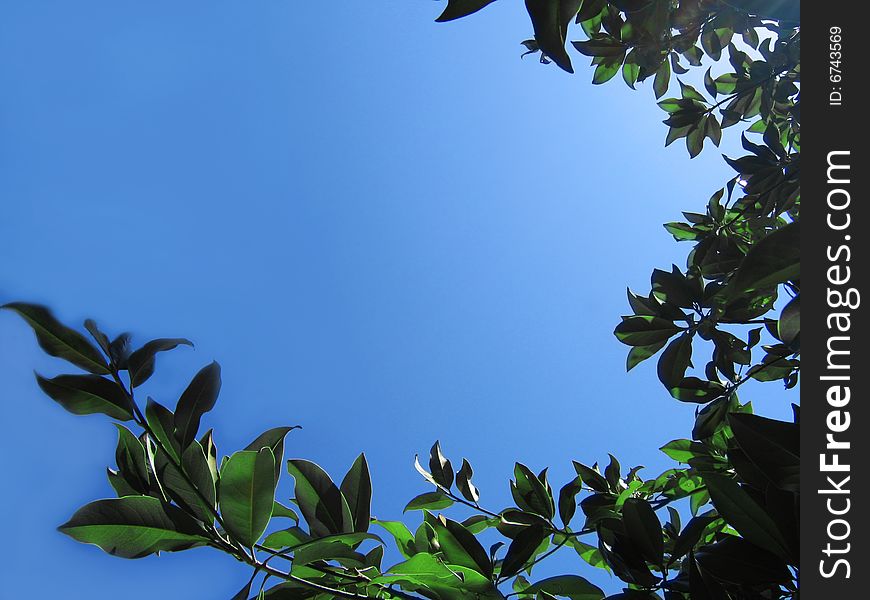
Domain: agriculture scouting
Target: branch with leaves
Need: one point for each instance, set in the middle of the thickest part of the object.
(738, 474)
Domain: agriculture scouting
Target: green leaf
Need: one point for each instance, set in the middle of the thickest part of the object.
(675, 360)
(247, 492)
(193, 487)
(684, 450)
(440, 467)
(429, 501)
(279, 510)
(682, 231)
(638, 354)
(286, 538)
(662, 79)
(789, 324)
(199, 398)
(463, 482)
(600, 45)
(710, 418)
(460, 547)
(690, 93)
(591, 477)
(530, 493)
(643, 527)
(772, 446)
(140, 364)
(457, 9)
(422, 569)
(550, 19)
(133, 527)
(774, 259)
(742, 513)
(101, 338)
(131, 460)
(693, 389)
(738, 561)
(402, 535)
(567, 586)
(568, 500)
(324, 549)
(644, 330)
(210, 451)
(690, 536)
(356, 487)
(522, 549)
(590, 554)
(120, 485)
(322, 504)
(161, 424)
(274, 440)
(88, 395)
(59, 340)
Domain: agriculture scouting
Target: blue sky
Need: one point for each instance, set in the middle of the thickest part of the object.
(386, 230)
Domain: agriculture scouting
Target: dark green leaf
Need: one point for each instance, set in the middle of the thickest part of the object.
(643, 527)
(161, 424)
(690, 536)
(460, 547)
(644, 330)
(738, 561)
(322, 504)
(789, 325)
(662, 79)
(744, 514)
(442, 470)
(192, 486)
(772, 446)
(133, 527)
(550, 20)
(140, 364)
(463, 482)
(457, 9)
(356, 487)
(531, 494)
(568, 500)
(775, 259)
(429, 501)
(638, 354)
(591, 477)
(88, 395)
(131, 460)
(59, 340)
(675, 360)
(567, 586)
(522, 548)
(274, 440)
(199, 398)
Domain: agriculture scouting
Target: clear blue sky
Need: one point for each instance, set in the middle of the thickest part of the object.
(387, 230)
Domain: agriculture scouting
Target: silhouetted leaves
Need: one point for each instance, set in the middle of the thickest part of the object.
(199, 398)
(58, 340)
(140, 364)
(88, 395)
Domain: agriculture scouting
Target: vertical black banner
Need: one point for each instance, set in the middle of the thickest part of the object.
(834, 419)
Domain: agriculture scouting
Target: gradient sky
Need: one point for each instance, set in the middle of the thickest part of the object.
(386, 230)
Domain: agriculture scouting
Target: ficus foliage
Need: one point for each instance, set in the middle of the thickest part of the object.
(738, 472)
